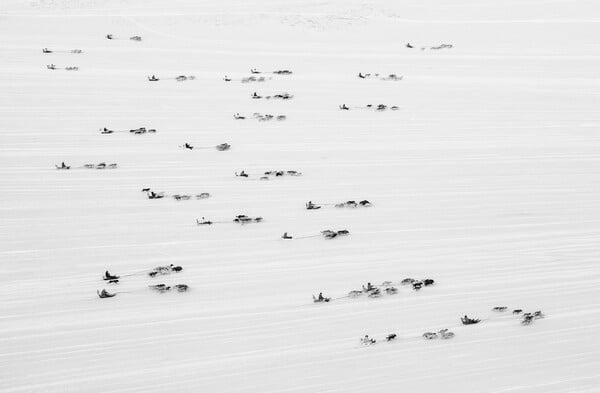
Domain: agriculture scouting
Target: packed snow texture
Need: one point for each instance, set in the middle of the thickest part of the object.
(486, 179)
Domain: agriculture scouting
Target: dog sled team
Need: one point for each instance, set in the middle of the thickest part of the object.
(178, 197)
(157, 271)
(219, 147)
(389, 287)
(390, 77)
(179, 78)
(265, 175)
(352, 204)
(132, 38)
(141, 130)
(327, 234)
(378, 108)
(101, 165)
(527, 318)
(239, 219)
(76, 51)
(261, 117)
(282, 96)
(442, 46)
(68, 68)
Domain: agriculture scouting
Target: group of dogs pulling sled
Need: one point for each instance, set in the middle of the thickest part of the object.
(179, 78)
(390, 77)
(155, 272)
(352, 204)
(254, 78)
(261, 117)
(68, 68)
(101, 165)
(178, 197)
(239, 219)
(376, 291)
(282, 96)
(132, 38)
(137, 131)
(445, 334)
(219, 147)
(379, 108)
(265, 175)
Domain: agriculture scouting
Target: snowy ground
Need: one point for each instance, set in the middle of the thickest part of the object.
(486, 180)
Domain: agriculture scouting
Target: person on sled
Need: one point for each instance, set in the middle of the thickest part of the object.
(105, 294)
(203, 221)
(312, 206)
(108, 276)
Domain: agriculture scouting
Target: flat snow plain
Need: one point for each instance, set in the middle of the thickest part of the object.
(487, 180)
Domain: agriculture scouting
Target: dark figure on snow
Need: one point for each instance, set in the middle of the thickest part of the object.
(344, 107)
(312, 206)
(241, 174)
(108, 276)
(409, 45)
(105, 294)
(469, 321)
(286, 236)
(109, 36)
(203, 222)
(360, 75)
(227, 79)
(188, 146)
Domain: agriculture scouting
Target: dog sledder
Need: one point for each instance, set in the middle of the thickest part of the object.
(178, 197)
(280, 96)
(269, 174)
(110, 278)
(63, 166)
(348, 204)
(321, 299)
(239, 219)
(219, 147)
(390, 77)
(105, 294)
(378, 108)
(469, 321)
(135, 131)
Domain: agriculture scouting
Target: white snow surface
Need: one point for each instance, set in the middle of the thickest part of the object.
(485, 180)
